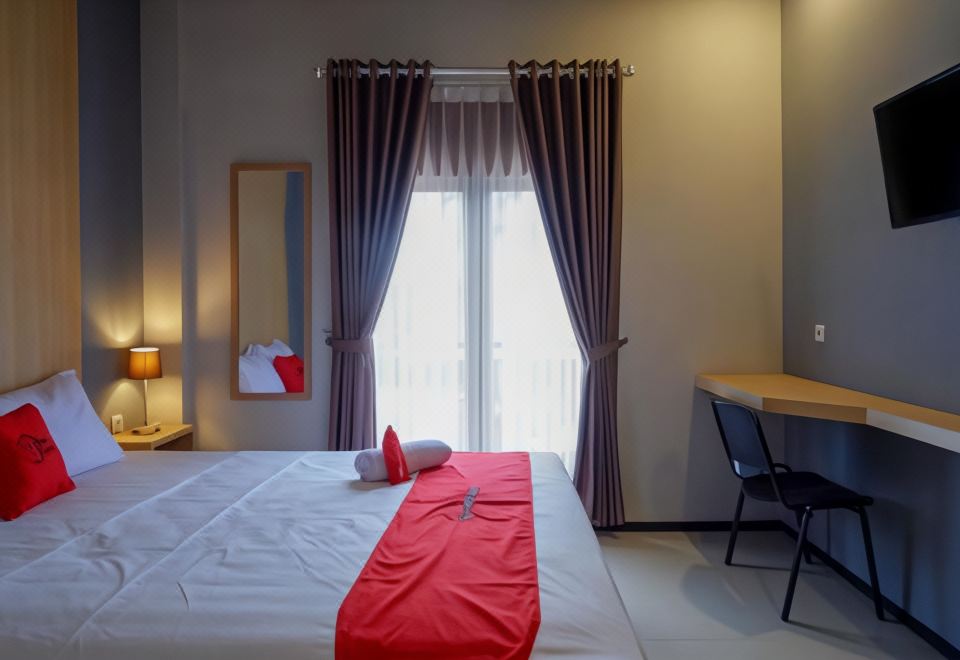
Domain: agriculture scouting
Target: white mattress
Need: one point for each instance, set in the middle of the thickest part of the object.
(248, 555)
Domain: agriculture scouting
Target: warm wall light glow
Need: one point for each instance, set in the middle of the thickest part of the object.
(120, 396)
(144, 363)
(115, 329)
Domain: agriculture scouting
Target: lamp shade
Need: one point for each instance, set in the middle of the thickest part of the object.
(144, 363)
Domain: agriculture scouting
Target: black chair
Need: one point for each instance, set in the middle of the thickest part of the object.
(801, 492)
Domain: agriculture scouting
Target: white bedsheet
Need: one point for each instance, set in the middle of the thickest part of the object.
(190, 555)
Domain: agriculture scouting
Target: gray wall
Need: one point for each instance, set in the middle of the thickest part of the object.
(163, 232)
(701, 239)
(110, 205)
(888, 298)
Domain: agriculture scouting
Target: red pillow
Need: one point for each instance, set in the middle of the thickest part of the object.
(31, 467)
(397, 471)
(290, 370)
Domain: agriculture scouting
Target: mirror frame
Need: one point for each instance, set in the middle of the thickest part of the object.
(235, 169)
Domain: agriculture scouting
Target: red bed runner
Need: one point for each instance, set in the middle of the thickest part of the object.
(440, 587)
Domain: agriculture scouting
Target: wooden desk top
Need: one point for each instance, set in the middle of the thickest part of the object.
(790, 395)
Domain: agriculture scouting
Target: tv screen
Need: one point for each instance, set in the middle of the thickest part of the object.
(919, 133)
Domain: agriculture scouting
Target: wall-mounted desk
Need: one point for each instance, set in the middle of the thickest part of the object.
(790, 395)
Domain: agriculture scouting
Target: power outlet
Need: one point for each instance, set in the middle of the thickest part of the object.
(818, 331)
(116, 424)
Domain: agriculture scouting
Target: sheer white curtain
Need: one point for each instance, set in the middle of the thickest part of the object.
(474, 344)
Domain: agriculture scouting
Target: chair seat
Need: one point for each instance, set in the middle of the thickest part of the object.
(804, 489)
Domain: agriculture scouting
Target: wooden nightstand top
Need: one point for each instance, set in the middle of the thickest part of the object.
(167, 433)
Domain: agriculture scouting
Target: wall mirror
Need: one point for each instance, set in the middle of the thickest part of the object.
(270, 268)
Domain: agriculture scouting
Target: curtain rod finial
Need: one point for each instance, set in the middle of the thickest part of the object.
(319, 70)
(629, 70)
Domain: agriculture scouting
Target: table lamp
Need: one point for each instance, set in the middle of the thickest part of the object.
(144, 364)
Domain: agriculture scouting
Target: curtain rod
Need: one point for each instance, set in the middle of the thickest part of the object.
(467, 72)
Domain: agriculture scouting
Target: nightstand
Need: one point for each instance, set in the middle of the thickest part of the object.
(170, 437)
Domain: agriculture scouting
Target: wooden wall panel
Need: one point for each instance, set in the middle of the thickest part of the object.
(39, 191)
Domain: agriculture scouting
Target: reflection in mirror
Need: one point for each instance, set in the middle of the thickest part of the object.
(270, 214)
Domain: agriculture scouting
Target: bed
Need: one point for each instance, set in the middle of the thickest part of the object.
(249, 555)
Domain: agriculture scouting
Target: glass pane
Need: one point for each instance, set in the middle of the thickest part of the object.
(419, 339)
(534, 383)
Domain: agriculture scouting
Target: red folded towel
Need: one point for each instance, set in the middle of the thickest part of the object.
(397, 471)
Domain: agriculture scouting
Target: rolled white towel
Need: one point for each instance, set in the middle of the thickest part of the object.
(419, 454)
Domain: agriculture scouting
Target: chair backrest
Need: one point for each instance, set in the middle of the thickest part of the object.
(743, 439)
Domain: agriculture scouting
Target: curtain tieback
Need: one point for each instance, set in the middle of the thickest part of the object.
(600, 351)
(364, 346)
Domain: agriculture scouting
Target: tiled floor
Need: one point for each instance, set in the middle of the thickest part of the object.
(685, 603)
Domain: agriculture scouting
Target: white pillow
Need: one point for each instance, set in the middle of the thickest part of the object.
(257, 375)
(82, 438)
(276, 349)
(419, 454)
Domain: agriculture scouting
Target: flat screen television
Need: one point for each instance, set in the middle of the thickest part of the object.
(919, 132)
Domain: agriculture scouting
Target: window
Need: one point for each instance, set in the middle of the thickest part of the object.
(473, 343)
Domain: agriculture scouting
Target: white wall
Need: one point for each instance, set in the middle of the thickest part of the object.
(702, 217)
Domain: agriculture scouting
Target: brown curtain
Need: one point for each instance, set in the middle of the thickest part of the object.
(375, 130)
(571, 122)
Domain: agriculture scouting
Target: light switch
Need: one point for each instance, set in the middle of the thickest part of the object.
(116, 424)
(818, 333)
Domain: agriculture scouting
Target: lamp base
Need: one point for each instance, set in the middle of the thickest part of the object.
(145, 430)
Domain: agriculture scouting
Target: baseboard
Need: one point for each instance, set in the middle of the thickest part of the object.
(932, 638)
(696, 526)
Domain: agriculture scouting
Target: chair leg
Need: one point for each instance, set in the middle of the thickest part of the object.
(806, 548)
(733, 530)
(871, 562)
(795, 569)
